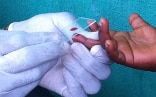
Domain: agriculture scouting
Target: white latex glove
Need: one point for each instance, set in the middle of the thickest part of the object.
(54, 80)
(51, 22)
(66, 85)
(85, 69)
(24, 60)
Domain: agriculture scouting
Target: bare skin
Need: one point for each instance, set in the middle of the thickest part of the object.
(86, 41)
(136, 49)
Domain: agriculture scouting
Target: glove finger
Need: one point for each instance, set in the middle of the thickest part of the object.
(50, 22)
(38, 23)
(90, 84)
(75, 89)
(21, 91)
(53, 79)
(83, 56)
(31, 56)
(63, 19)
(11, 40)
(100, 55)
(12, 81)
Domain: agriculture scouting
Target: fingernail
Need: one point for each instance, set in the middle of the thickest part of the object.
(106, 44)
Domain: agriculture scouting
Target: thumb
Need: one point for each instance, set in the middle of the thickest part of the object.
(136, 21)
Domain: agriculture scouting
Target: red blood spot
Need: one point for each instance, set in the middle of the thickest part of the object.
(73, 29)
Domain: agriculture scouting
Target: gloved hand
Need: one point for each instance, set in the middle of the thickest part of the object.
(24, 60)
(54, 22)
(49, 22)
(82, 74)
(84, 70)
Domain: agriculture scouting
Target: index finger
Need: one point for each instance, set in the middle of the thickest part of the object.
(104, 32)
(89, 43)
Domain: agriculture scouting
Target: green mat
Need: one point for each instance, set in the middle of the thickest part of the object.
(124, 82)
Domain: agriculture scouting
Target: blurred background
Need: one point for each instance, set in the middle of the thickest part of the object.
(123, 82)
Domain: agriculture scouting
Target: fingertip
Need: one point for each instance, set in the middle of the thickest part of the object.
(103, 22)
(133, 17)
(93, 88)
(136, 21)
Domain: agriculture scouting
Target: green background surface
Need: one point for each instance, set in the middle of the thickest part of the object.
(123, 82)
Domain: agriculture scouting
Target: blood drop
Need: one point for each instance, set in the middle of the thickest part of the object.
(73, 29)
